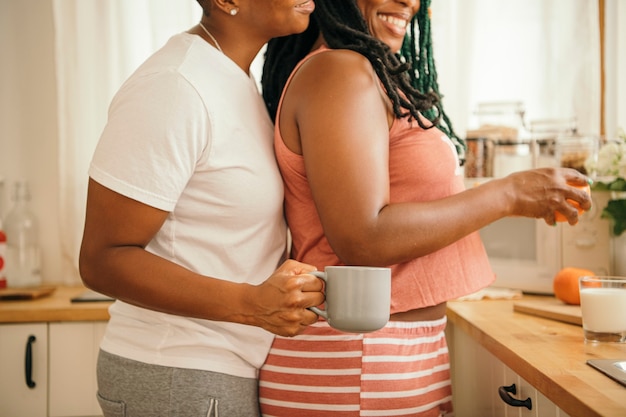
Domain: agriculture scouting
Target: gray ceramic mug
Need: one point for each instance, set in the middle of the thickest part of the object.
(358, 298)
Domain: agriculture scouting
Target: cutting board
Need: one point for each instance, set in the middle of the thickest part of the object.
(550, 308)
(29, 293)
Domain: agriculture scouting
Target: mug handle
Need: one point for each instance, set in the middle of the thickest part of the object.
(321, 275)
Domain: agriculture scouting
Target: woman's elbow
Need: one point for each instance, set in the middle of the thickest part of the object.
(87, 268)
(364, 254)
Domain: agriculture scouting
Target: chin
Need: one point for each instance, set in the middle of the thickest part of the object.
(294, 30)
(395, 47)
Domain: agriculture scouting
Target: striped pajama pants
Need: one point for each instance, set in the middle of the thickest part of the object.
(400, 370)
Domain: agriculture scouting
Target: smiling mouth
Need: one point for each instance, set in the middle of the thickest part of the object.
(303, 4)
(396, 21)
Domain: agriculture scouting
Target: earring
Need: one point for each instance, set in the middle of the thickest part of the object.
(233, 12)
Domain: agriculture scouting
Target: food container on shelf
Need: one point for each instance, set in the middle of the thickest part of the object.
(544, 133)
(500, 144)
(574, 149)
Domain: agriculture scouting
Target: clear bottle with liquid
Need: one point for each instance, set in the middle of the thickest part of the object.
(23, 256)
(3, 239)
(3, 254)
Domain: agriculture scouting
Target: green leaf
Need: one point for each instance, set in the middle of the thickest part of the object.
(601, 186)
(616, 211)
(618, 184)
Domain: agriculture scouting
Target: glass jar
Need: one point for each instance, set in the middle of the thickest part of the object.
(500, 144)
(544, 133)
(23, 257)
(1, 197)
(501, 114)
(573, 150)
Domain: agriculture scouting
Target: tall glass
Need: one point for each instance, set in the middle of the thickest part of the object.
(603, 305)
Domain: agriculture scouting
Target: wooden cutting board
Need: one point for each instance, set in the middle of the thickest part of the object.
(550, 308)
(29, 293)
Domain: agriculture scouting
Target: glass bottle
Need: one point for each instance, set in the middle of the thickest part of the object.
(23, 263)
(3, 239)
(3, 255)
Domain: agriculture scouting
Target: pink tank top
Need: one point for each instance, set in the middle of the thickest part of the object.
(423, 166)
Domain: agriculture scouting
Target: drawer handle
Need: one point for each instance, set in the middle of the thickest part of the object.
(28, 362)
(505, 394)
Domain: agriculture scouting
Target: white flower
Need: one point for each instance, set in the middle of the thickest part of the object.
(611, 161)
(610, 173)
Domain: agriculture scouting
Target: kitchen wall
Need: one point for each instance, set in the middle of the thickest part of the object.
(28, 134)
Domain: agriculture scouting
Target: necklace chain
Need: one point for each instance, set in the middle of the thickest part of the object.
(217, 45)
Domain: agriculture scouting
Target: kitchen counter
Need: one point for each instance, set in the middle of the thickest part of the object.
(54, 307)
(550, 355)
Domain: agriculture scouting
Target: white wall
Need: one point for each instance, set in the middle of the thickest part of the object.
(28, 129)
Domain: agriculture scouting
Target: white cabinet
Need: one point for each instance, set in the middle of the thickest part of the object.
(477, 376)
(21, 344)
(64, 356)
(73, 349)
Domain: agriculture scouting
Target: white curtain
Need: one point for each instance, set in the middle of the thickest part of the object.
(544, 53)
(98, 44)
(615, 66)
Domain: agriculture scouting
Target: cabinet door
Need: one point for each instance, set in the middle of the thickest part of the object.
(476, 377)
(73, 355)
(474, 372)
(523, 392)
(545, 407)
(541, 405)
(17, 342)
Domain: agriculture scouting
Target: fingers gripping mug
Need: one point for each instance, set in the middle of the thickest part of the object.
(358, 298)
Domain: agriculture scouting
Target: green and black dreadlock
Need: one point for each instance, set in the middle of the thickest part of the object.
(409, 78)
(424, 74)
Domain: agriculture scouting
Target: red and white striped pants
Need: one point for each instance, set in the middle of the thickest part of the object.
(400, 370)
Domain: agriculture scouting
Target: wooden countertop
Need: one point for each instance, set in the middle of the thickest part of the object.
(54, 307)
(549, 354)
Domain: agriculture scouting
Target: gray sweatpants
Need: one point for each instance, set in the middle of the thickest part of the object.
(128, 388)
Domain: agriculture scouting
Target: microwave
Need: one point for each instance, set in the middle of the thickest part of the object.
(525, 253)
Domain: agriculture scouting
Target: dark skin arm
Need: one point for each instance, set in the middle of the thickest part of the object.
(343, 122)
(113, 261)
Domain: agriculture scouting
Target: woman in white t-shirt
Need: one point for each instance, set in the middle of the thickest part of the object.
(184, 223)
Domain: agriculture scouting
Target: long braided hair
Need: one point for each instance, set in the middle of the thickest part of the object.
(409, 77)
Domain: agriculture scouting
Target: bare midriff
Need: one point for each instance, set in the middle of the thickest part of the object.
(421, 314)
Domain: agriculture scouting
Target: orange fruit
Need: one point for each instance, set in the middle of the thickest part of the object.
(565, 284)
(560, 217)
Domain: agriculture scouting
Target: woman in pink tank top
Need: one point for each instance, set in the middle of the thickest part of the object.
(372, 176)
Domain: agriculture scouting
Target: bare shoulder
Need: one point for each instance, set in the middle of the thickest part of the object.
(338, 70)
(331, 83)
(340, 57)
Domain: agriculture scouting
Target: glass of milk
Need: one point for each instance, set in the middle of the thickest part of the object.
(603, 305)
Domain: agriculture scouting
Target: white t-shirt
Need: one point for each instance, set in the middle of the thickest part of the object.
(188, 133)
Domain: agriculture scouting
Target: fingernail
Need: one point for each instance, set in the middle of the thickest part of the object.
(589, 181)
